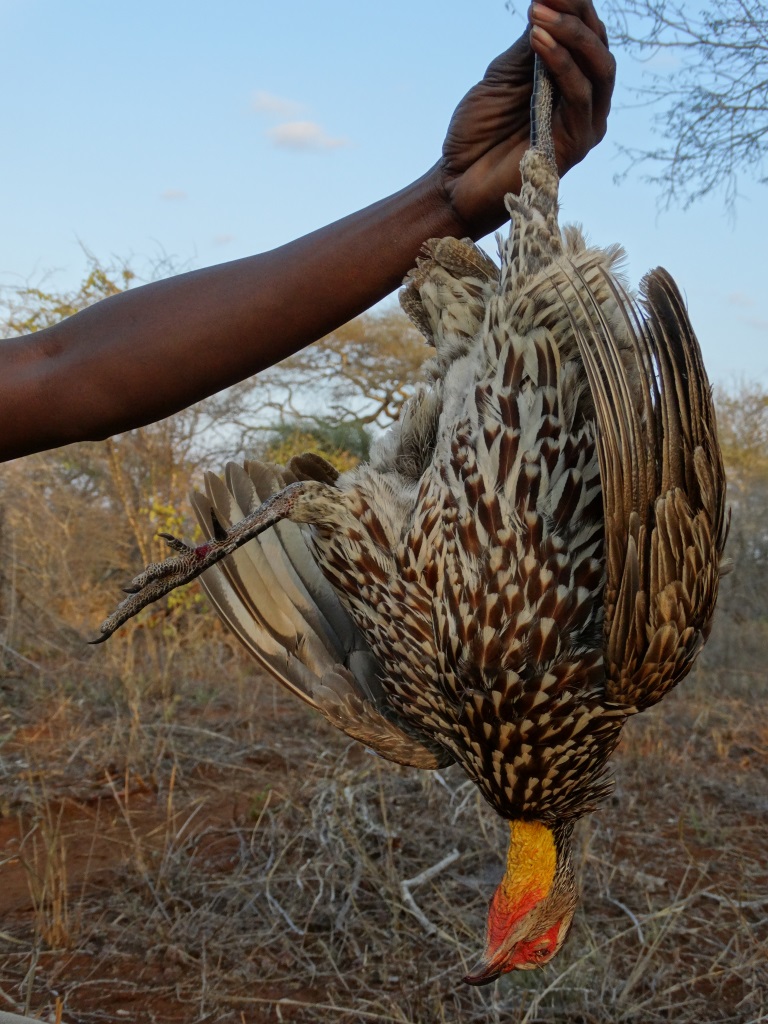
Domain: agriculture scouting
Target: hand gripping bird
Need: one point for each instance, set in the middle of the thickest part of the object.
(531, 556)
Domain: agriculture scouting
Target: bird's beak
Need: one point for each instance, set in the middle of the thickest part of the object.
(486, 971)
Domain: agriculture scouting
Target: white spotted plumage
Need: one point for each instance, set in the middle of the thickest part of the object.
(532, 554)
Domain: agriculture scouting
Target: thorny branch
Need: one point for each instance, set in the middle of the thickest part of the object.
(712, 104)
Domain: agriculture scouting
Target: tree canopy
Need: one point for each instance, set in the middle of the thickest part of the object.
(708, 92)
(86, 515)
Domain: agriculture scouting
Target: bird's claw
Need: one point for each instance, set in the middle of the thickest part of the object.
(156, 570)
(174, 543)
(160, 578)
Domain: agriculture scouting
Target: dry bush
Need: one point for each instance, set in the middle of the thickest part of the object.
(230, 858)
(179, 841)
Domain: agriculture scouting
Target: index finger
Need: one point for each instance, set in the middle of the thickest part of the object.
(576, 48)
(584, 10)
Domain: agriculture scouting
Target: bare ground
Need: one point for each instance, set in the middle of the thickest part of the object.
(209, 850)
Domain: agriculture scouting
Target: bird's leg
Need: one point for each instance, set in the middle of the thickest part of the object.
(534, 240)
(542, 101)
(538, 168)
(160, 578)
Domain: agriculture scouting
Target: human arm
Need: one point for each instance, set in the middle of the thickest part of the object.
(141, 355)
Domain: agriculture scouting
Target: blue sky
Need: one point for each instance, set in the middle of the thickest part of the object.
(208, 132)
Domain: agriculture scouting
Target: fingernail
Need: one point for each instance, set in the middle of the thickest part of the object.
(542, 36)
(541, 13)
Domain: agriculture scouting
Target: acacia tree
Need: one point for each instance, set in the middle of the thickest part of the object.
(711, 100)
(742, 621)
(81, 518)
(344, 445)
(362, 373)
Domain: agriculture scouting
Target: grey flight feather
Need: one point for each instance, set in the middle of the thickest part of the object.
(274, 598)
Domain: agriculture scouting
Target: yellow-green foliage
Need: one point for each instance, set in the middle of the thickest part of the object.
(298, 441)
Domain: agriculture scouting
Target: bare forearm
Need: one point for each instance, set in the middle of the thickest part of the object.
(144, 354)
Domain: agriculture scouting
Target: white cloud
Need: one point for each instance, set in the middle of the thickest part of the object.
(223, 239)
(756, 322)
(740, 299)
(268, 103)
(172, 194)
(303, 135)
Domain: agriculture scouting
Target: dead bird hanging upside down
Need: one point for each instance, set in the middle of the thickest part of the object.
(531, 556)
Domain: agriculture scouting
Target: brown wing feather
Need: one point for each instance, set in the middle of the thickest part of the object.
(663, 486)
(273, 597)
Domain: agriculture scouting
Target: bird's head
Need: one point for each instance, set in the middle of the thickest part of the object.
(531, 911)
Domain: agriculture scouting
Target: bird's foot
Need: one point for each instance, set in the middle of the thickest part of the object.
(160, 578)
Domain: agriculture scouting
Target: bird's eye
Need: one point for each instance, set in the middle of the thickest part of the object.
(541, 952)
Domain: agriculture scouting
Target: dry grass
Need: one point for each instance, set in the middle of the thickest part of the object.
(181, 843)
(205, 849)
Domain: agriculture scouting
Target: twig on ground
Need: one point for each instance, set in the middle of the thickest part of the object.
(411, 883)
(630, 915)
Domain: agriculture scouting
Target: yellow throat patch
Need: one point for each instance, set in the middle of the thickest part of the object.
(531, 863)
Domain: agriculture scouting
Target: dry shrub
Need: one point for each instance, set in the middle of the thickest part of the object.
(230, 858)
(179, 841)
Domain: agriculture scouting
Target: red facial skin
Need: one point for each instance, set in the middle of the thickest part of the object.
(503, 915)
(535, 952)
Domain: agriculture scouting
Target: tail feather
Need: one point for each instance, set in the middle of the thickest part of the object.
(663, 485)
